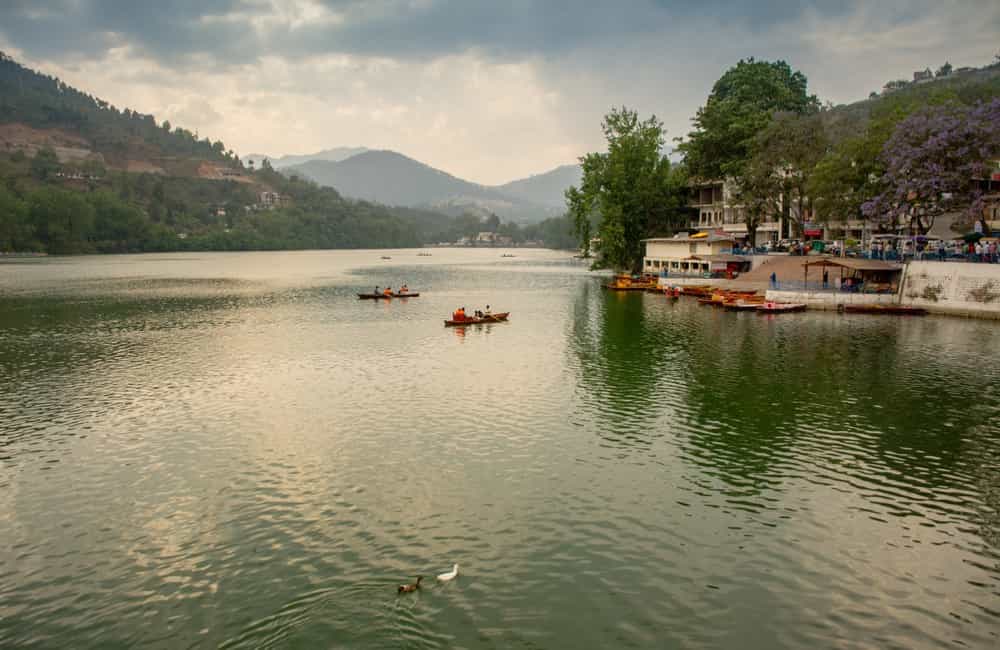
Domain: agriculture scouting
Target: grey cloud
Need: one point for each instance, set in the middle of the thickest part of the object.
(179, 30)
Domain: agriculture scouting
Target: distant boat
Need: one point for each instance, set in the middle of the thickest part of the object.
(386, 257)
(382, 296)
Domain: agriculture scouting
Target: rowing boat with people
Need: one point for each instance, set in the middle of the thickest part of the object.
(478, 320)
(387, 296)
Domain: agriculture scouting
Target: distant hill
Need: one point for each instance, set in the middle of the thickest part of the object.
(41, 112)
(280, 162)
(391, 178)
(966, 85)
(78, 175)
(545, 189)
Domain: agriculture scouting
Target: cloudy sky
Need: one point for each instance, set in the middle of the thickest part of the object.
(485, 89)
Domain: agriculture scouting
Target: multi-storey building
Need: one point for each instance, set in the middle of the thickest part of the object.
(719, 210)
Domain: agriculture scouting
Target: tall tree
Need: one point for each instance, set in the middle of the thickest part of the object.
(15, 230)
(739, 106)
(783, 158)
(632, 187)
(932, 162)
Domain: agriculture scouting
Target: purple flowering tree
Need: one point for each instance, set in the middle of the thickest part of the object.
(934, 160)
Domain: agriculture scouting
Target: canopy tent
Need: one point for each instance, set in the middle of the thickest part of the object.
(875, 274)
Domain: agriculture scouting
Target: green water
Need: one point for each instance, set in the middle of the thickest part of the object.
(232, 450)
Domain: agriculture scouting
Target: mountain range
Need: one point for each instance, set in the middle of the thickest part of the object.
(280, 162)
(390, 178)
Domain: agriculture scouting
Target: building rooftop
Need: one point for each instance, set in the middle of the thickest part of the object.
(854, 263)
(685, 238)
(720, 257)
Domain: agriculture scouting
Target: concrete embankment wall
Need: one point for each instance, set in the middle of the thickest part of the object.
(956, 288)
(831, 299)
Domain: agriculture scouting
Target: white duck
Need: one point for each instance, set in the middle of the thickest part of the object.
(451, 575)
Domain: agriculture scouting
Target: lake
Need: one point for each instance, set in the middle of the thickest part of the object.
(232, 450)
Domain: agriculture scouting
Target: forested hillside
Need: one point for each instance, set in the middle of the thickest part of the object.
(78, 175)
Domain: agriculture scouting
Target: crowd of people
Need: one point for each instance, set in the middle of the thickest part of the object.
(973, 251)
(980, 252)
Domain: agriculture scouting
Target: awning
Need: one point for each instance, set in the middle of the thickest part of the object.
(854, 263)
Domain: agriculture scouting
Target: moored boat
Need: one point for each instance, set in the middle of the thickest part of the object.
(771, 307)
(742, 305)
(625, 282)
(407, 294)
(902, 310)
(478, 320)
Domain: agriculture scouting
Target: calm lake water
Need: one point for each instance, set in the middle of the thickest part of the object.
(232, 450)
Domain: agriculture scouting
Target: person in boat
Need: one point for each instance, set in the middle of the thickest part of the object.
(376, 292)
(487, 312)
(387, 292)
(403, 289)
(459, 314)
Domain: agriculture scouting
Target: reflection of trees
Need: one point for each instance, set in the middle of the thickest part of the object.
(754, 401)
(621, 352)
(770, 397)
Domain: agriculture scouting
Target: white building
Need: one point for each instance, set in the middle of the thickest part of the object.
(700, 254)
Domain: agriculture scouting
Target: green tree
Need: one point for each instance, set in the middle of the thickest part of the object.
(740, 106)
(631, 186)
(118, 226)
(45, 164)
(580, 204)
(492, 223)
(850, 172)
(15, 230)
(62, 219)
(784, 155)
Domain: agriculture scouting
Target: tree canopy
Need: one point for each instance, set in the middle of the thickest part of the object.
(632, 187)
(932, 161)
(783, 159)
(740, 106)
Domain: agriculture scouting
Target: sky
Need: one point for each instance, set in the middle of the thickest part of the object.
(486, 90)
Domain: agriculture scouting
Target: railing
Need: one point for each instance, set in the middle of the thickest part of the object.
(929, 256)
(832, 286)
